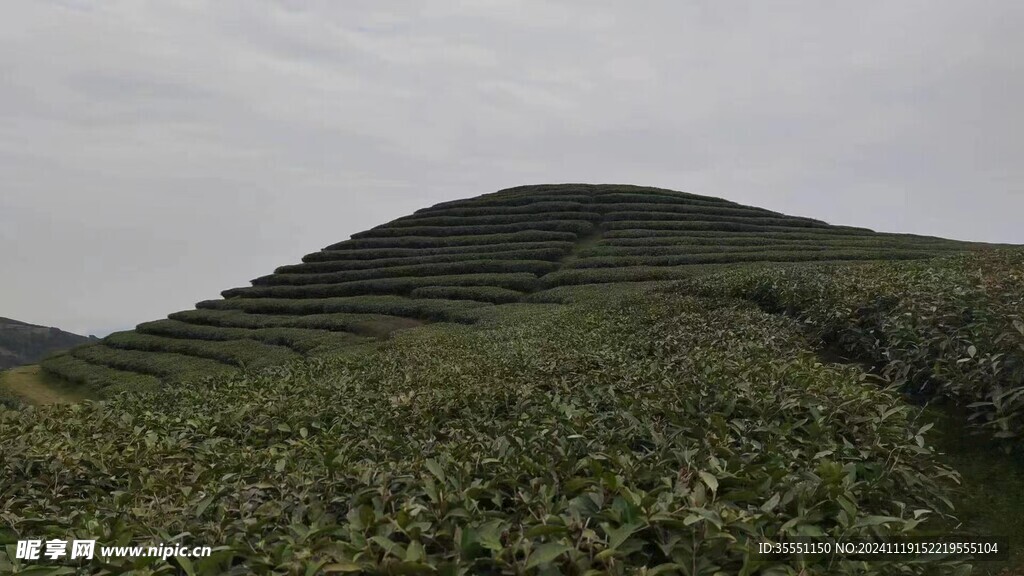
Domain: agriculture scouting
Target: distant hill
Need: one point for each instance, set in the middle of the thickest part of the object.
(447, 262)
(22, 343)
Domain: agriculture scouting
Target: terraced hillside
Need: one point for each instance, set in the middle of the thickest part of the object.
(452, 261)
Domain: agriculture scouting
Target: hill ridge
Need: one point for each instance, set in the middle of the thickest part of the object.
(24, 343)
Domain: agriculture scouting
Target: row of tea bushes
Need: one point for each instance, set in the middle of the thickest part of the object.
(302, 340)
(513, 281)
(480, 266)
(243, 352)
(378, 253)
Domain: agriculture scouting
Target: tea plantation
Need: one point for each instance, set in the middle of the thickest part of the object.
(444, 261)
(567, 379)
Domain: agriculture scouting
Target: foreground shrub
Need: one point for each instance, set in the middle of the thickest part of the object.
(663, 434)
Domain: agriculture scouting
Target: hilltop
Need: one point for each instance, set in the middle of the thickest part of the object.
(22, 343)
(450, 261)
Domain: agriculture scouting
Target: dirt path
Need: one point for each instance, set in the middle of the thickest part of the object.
(33, 386)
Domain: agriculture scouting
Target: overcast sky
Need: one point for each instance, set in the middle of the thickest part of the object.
(155, 153)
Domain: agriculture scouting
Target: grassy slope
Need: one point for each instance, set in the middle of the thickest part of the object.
(31, 385)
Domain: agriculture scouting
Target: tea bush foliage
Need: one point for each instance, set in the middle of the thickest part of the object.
(757, 256)
(301, 340)
(668, 211)
(546, 254)
(98, 376)
(658, 435)
(242, 353)
(953, 327)
(164, 365)
(450, 241)
(425, 309)
(535, 267)
(489, 219)
(478, 293)
(577, 227)
(540, 207)
(372, 253)
(369, 324)
(658, 219)
(723, 225)
(512, 281)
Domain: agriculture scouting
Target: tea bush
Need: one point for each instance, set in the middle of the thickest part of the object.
(536, 267)
(758, 256)
(721, 225)
(547, 254)
(301, 340)
(163, 365)
(509, 201)
(648, 237)
(660, 199)
(707, 245)
(953, 327)
(240, 352)
(689, 208)
(543, 207)
(450, 241)
(97, 376)
(661, 434)
(577, 227)
(487, 219)
(512, 281)
(439, 310)
(369, 324)
(659, 218)
(375, 253)
(478, 293)
(570, 276)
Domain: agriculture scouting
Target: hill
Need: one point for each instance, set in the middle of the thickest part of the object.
(22, 343)
(563, 379)
(449, 261)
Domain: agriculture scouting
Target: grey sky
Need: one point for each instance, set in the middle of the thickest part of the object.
(155, 153)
